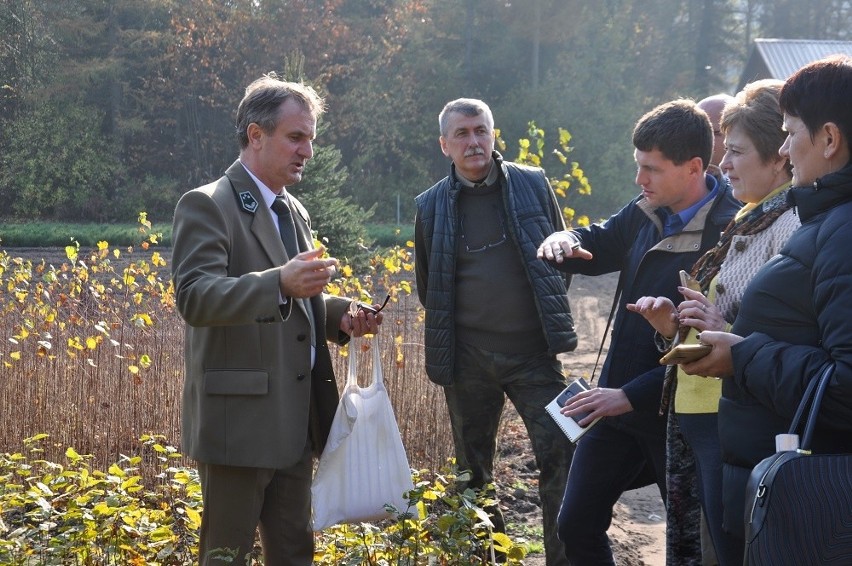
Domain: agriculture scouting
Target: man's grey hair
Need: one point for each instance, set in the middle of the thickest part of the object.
(467, 107)
(265, 96)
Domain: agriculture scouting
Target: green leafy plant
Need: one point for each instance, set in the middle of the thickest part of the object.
(72, 513)
(442, 525)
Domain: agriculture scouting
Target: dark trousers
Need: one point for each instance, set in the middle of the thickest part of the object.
(475, 401)
(607, 462)
(701, 432)
(237, 500)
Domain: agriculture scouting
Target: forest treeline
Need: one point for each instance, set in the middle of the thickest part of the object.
(111, 107)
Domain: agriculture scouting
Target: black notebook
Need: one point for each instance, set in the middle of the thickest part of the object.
(569, 424)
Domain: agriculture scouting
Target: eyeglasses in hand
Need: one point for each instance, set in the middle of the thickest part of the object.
(356, 307)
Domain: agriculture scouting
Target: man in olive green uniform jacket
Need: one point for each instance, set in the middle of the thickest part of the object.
(259, 392)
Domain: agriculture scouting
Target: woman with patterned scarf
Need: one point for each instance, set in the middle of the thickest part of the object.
(752, 125)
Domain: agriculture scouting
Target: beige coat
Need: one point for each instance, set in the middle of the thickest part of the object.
(249, 392)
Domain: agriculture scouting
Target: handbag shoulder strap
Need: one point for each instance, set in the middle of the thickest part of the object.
(803, 406)
(813, 398)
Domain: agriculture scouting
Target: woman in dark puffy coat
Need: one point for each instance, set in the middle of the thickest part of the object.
(796, 314)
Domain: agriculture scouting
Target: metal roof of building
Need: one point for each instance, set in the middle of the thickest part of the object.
(780, 58)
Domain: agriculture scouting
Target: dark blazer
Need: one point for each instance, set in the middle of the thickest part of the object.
(631, 242)
(249, 392)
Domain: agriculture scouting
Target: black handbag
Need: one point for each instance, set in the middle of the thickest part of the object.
(798, 505)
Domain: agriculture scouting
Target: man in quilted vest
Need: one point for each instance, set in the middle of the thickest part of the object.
(496, 317)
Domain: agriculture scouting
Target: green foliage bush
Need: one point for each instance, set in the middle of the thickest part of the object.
(336, 219)
(69, 513)
(55, 513)
(59, 234)
(389, 235)
(49, 174)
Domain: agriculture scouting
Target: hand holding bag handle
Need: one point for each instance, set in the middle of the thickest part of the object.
(799, 506)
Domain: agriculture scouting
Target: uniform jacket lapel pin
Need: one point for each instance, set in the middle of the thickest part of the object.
(248, 202)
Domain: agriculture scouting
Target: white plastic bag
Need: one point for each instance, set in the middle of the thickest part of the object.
(364, 466)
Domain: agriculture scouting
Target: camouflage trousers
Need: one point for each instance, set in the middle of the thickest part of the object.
(482, 381)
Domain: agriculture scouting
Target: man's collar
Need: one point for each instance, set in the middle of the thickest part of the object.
(490, 179)
(675, 222)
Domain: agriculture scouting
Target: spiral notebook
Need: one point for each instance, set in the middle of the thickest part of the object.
(569, 424)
